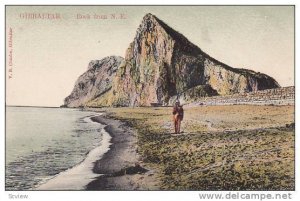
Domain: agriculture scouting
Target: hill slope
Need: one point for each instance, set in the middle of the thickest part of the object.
(161, 64)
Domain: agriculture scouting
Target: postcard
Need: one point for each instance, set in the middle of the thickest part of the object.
(150, 98)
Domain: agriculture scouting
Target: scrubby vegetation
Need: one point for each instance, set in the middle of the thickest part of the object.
(221, 148)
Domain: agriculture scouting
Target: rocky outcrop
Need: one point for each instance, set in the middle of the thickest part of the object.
(161, 63)
(227, 80)
(96, 81)
(193, 94)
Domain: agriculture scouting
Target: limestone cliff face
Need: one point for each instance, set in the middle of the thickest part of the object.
(161, 63)
(227, 80)
(95, 82)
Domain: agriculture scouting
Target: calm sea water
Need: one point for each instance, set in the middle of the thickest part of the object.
(43, 142)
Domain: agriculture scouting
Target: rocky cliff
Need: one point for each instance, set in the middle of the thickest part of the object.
(96, 81)
(161, 64)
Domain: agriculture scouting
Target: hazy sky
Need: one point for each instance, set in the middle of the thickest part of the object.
(49, 55)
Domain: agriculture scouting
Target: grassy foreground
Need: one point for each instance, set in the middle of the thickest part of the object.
(221, 147)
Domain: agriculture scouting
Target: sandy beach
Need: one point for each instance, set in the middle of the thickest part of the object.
(121, 167)
(237, 147)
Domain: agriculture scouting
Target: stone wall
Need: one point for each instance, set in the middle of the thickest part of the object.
(277, 96)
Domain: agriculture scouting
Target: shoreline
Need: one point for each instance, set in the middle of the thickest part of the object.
(78, 176)
(120, 167)
(220, 148)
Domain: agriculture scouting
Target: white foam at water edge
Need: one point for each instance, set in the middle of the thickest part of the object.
(89, 119)
(80, 175)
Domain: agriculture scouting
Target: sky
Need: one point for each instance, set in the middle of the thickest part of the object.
(48, 55)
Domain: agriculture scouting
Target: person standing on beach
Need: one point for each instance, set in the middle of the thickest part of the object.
(177, 116)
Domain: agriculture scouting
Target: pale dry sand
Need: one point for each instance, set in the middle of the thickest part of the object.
(256, 141)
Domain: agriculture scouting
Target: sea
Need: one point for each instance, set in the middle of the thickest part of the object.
(52, 148)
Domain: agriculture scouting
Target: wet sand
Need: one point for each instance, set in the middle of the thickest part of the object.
(121, 167)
